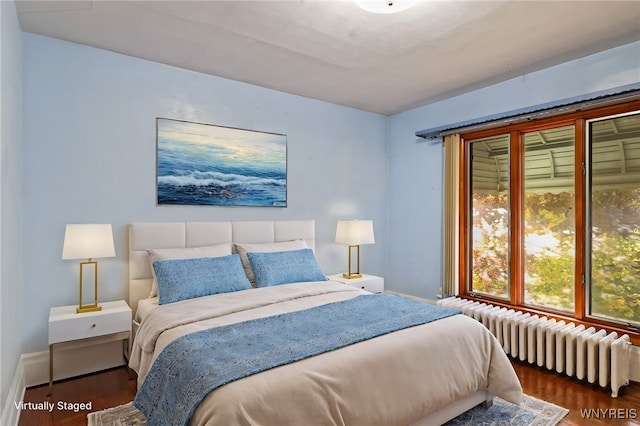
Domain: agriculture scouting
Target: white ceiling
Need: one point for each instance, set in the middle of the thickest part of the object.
(334, 51)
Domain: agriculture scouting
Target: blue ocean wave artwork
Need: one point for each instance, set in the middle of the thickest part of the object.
(203, 164)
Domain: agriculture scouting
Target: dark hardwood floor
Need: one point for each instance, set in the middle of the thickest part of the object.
(115, 387)
(105, 389)
(577, 395)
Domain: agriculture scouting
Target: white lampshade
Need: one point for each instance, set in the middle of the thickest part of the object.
(355, 232)
(88, 241)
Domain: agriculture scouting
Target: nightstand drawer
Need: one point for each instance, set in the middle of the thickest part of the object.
(372, 286)
(66, 325)
(370, 283)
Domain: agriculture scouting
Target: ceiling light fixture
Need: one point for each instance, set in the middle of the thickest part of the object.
(385, 6)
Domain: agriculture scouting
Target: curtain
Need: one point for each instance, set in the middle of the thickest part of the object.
(451, 214)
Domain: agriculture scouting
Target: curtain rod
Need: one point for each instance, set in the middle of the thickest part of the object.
(550, 109)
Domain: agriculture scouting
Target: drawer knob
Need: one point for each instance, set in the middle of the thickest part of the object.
(93, 325)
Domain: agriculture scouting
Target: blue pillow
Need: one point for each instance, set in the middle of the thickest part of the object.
(284, 267)
(182, 279)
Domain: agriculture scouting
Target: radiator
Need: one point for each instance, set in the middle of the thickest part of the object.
(565, 347)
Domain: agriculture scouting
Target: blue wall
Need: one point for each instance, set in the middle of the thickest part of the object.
(89, 150)
(416, 166)
(10, 197)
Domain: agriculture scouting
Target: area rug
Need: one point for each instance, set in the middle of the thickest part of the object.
(532, 412)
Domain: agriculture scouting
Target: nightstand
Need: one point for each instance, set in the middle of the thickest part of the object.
(370, 283)
(112, 323)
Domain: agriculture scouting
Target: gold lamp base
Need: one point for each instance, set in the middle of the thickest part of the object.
(93, 307)
(351, 276)
(355, 274)
(88, 308)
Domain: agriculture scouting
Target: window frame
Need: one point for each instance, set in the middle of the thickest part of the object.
(516, 225)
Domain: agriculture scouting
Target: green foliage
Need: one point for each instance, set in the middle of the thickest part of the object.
(490, 245)
(615, 271)
(550, 250)
(550, 267)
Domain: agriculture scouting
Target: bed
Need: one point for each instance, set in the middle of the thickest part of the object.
(421, 374)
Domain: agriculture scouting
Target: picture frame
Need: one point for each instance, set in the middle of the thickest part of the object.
(209, 165)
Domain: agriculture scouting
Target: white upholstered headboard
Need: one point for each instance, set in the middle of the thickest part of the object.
(143, 236)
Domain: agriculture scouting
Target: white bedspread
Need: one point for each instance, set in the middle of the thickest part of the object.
(394, 379)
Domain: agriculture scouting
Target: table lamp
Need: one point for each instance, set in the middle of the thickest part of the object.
(88, 241)
(354, 233)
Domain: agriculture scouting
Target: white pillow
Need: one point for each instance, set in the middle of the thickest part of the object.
(184, 253)
(243, 249)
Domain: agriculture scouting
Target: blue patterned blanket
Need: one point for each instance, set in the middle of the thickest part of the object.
(195, 364)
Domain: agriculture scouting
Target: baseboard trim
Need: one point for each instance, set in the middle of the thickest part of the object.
(71, 361)
(11, 413)
(35, 365)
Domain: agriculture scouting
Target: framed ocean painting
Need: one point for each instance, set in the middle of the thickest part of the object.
(203, 164)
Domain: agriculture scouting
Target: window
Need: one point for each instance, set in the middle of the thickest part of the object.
(614, 213)
(489, 203)
(550, 216)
